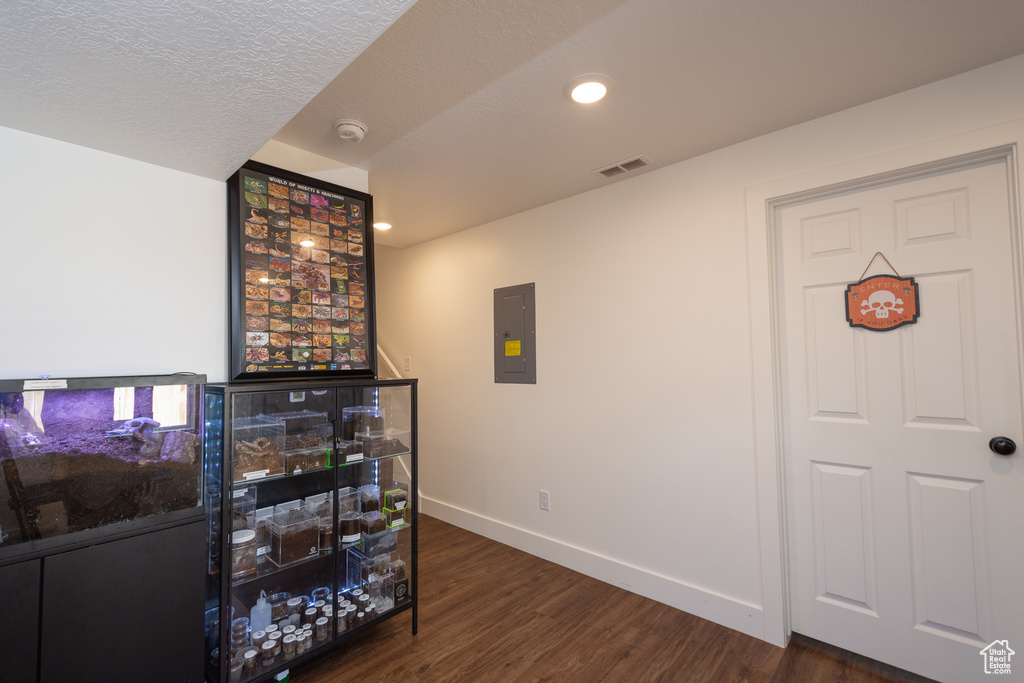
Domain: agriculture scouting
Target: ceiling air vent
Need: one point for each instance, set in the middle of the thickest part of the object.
(626, 166)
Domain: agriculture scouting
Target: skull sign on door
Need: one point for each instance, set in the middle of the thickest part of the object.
(882, 302)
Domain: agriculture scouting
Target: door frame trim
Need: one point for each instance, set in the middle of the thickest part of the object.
(762, 204)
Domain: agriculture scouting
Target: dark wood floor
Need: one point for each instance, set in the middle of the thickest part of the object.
(489, 612)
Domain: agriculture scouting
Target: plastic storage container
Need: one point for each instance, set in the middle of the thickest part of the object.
(350, 528)
(294, 536)
(372, 523)
(243, 506)
(295, 462)
(396, 496)
(361, 421)
(260, 518)
(348, 499)
(258, 449)
(369, 498)
(306, 429)
(395, 519)
(243, 554)
(322, 505)
(349, 451)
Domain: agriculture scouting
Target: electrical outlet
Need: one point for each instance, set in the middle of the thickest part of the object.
(545, 500)
(408, 363)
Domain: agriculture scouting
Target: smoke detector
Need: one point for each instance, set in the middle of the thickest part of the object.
(350, 130)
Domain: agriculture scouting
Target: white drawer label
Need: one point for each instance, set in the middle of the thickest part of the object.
(37, 384)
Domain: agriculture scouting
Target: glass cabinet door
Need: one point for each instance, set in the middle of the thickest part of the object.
(281, 528)
(374, 503)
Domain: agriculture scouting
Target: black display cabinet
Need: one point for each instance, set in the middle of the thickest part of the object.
(312, 531)
(102, 524)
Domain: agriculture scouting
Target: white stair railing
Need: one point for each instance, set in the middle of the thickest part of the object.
(387, 361)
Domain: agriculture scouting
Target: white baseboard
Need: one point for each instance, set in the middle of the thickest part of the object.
(740, 616)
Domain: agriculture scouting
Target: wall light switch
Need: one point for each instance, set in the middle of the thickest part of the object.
(408, 364)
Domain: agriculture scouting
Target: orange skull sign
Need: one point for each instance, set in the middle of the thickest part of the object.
(883, 302)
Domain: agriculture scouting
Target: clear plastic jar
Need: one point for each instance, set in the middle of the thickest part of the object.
(243, 554)
(322, 630)
(235, 670)
(279, 606)
(239, 634)
(349, 527)
(240, 626)
(249, 662)
(326, 533)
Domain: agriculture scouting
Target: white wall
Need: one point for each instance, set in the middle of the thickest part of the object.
(109, 266)
(313, 165)
(641, 424)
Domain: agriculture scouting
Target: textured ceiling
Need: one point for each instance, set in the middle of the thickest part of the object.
(467, 122)
(192, 85)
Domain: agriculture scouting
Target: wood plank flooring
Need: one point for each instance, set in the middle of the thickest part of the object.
(489, 612)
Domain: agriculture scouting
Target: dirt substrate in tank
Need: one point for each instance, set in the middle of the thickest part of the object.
(63, 487)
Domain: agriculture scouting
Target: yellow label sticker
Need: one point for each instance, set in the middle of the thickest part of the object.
(513, 348)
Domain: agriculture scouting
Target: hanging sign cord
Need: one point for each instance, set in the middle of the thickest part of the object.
(877, 254)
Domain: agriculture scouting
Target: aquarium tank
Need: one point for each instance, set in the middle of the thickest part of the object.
(80, 454)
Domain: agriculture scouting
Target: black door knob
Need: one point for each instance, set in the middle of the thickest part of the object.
(1002, 445)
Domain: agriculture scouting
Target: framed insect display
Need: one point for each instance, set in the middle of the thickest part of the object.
(302, 297)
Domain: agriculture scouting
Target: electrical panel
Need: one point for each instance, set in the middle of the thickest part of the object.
(515, 335)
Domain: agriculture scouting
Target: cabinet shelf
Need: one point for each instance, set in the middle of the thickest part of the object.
(277, 477)
(267, 569)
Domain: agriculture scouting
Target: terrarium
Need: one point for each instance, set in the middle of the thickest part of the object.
(79, 454)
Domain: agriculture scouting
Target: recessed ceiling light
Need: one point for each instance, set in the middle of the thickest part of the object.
(588, 88)
(382, 226)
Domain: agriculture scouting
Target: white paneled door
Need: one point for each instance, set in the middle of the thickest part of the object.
(906, 531)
